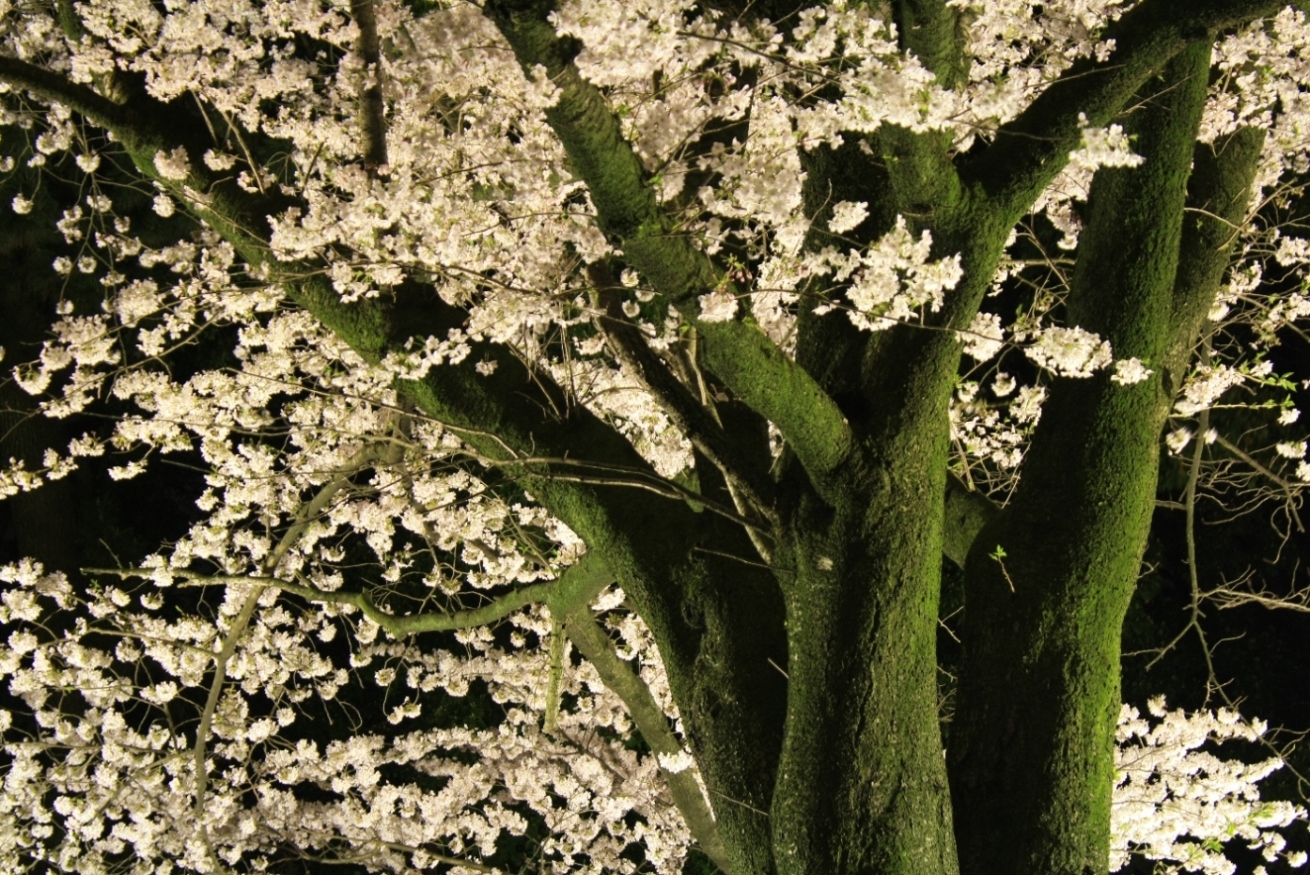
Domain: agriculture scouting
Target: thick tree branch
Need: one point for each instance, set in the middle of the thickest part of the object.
(594, 644)
(1025, 753)
(763, 378)
(69, 21)
(929, 29)
(1218, 195)
(924, 180)
(468, 400)
(627, 211)
(373, 124)
(550, 723)
(1029, 151)
(830, 349)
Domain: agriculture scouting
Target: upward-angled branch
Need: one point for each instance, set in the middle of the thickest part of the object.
(373, 125)
(752, 367)
(56, 88)
(146, 126)
(486, 409)
(1030, 150)
(1218, 195)
(1075, 530)
(308, 512)
(929, 29)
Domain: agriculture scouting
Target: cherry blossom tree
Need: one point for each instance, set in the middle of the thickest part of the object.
(634, 366)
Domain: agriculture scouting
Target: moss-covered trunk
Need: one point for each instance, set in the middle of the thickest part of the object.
(1031, 748)
(861, 781)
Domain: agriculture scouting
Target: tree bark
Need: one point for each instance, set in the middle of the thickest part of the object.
(1049, 580)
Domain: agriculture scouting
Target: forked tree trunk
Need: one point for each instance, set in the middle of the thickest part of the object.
(839, 768)
(861, 782)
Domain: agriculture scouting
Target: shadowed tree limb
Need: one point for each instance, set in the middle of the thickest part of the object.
(57, 88)
(372, 122)
(594, 644)
(688, 414)
(967, 511)
(1218, 196)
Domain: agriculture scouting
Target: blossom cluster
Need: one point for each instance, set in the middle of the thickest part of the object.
(122, 770)
(120, 763)
(1175, 801)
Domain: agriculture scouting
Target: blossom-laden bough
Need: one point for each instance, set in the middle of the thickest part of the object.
(567, 336)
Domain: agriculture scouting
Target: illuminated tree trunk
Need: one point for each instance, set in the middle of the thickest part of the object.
(1049, 580)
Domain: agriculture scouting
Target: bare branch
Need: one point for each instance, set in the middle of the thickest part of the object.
(1240, 592)
(1189, 505)
(1261, 469)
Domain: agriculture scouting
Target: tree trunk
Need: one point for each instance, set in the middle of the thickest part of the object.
(1048, 582)
(861, 782)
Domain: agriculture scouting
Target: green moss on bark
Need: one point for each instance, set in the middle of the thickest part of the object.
(1031, 748)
